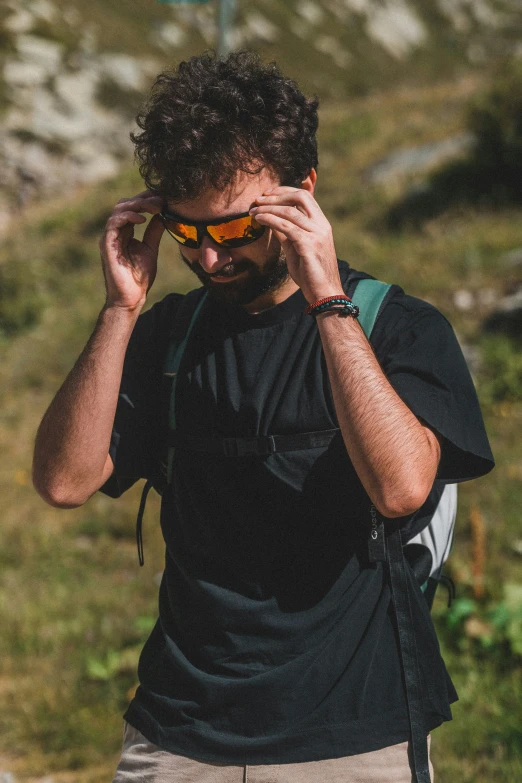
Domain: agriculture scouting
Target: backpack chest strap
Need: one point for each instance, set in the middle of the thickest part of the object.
(255, 445)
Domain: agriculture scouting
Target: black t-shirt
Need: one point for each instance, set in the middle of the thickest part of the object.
(276, 639)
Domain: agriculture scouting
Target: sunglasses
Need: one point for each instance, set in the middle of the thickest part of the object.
(234, 231)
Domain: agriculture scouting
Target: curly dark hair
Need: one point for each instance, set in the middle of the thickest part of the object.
(213, 117)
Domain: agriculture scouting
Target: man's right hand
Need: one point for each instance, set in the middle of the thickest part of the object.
(130, 266)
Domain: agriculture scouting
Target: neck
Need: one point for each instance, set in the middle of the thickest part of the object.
(272, 298)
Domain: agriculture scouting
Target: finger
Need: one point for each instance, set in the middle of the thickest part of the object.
(117, 238)
(281, 188)
(122, 218)
(152, 205)
(289, 230)
(153, 233)
(143, 194)
(302, 199)
(290, 213)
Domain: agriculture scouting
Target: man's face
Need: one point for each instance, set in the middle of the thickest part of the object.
(237, 275)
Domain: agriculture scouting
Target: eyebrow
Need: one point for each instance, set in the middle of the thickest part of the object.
(192, 222)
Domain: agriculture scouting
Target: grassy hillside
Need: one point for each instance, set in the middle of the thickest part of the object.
(75, 607)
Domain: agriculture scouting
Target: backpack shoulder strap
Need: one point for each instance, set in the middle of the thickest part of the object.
(181, 326)
(183, 321)
(369, 296)
(187, 316)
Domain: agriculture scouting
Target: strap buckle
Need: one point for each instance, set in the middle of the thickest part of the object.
(249, 447)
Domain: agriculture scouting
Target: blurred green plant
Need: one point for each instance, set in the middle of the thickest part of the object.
(115, 662)
(486, 627)
(500, 377)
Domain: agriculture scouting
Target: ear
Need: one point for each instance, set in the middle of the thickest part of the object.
(309, 182)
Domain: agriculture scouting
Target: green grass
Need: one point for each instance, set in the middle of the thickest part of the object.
(75, 607)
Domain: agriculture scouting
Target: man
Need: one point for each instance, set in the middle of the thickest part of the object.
(275, 657)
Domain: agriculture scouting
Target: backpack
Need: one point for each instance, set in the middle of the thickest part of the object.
(426, 552)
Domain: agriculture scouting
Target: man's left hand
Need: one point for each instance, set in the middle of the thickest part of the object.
(306, 236)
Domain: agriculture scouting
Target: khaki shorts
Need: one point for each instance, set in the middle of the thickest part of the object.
(143, 762)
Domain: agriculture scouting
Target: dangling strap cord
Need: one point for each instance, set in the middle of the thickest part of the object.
(449, 584)
(410, 663)
(139, 521)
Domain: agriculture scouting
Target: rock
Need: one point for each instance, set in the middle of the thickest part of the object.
(40, 51)
(463, 300)
(411, 160)
(126, 71)
(330, 45)
(93, 165)
(258, 26)
(44, 9)
(24, 74)
(47, 118)
(89, 41)
(359, 6)
(507, 317)
(472, 356)
(513, 258)
(456, 13)
(78, 89)
(463, 14)
(72, 17)
(20, 22)
(396, 27)
(81, 542)
(169, 34)
(312, 12)
(487, 297)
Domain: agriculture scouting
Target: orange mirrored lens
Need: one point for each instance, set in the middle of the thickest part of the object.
(246, 228)
(181, 231)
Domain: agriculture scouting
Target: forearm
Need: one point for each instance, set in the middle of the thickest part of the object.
(394, 455)
(73, 439)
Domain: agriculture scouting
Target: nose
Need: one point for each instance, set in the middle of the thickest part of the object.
(212, 256)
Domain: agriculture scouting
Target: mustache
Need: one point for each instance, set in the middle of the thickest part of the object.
(229, 270)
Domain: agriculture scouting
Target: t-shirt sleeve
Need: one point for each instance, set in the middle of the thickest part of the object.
(134, 440)
(425, 365)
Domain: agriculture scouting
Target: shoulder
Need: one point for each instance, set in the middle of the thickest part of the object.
(152, 329)
(157, 317)
(160, 312)
(400, 314)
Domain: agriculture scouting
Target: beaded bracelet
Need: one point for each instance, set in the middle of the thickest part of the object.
(340, 297)
(344, 309)
(343, 304)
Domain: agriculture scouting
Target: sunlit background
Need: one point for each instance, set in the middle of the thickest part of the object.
(420, 175)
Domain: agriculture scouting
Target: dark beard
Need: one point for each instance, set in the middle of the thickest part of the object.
(254, 283)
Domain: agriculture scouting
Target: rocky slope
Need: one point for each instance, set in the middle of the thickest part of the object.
(72, 74)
